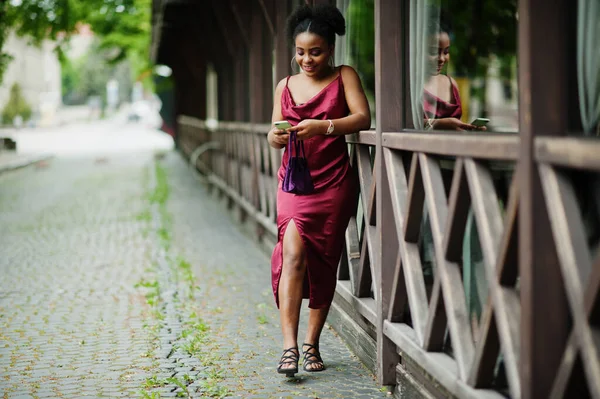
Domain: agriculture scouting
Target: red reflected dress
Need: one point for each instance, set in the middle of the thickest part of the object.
(437, 108)
(322, 216)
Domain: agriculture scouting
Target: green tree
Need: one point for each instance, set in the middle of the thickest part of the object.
(70, 78)
(481, 28)
(123, 26)
(88, 76)
(16, 105)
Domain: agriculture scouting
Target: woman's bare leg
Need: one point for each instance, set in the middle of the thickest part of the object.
(290, 286)
(316, 321)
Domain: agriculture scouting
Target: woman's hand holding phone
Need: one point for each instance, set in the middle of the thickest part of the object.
(277, 137)
(309, 128)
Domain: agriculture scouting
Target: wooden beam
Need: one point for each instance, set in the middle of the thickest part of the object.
(268, 8)
(228, 26)
(572, 152)
(283, 51)
(500, 147)
(242, 11)
(543, 48)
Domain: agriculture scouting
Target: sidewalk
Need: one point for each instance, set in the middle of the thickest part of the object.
(236, 303)
(10, 160)
(125, 278)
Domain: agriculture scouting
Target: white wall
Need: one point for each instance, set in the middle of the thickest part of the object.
(37, 70)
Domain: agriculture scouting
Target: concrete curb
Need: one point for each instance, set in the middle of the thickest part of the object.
(22, 161)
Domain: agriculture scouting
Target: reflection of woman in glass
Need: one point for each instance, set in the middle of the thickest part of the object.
(441, 100)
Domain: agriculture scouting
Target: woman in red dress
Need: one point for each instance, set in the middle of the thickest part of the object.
(441, 99)
(322, 103)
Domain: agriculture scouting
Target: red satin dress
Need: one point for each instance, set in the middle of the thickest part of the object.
(437, 108)
(322, 216)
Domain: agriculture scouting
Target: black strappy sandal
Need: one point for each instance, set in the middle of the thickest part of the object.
(289, 359)
(312, 358)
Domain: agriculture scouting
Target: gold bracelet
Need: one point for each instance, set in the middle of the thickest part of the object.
(429, 124)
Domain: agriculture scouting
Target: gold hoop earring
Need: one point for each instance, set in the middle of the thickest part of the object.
(294, 62)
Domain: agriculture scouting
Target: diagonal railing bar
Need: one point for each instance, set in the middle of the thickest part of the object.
(416, 199)
(505, 301)
(507, 268)
(459, 204)
(352, 250)
(592, 294)
(486, 351)
(486, 210)
(448, 272)
(363, 279)
(570, 381)
(352, 235)
(411, 260)
(437, 320)
(569, 234)
(565, 371)
(575, 262)
(343, 271)
(371, 215)
(365, 175)
(399, 296)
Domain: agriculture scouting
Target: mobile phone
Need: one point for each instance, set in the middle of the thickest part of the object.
(283, 125)
(480, 122)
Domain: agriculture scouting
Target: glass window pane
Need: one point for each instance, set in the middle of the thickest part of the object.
(588, 64)
(463, 64)
(357, 47)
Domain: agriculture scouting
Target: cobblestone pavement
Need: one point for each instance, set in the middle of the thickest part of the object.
(120, 279)
(71, 251)
(236, 293)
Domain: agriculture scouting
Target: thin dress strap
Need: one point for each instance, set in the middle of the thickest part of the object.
(452, 96)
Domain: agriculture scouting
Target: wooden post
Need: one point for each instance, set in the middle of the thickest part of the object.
(283, 52)
(260, 68)
(226, 93)
(543, 81)
(242, 99)
(388, 103)
(261, 88)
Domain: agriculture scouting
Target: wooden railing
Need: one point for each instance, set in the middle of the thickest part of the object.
(443, 193)
(558, 161)
(425, 319)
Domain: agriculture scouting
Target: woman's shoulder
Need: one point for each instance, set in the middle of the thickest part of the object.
(348, 74)
(452, 81)
(347, 70)
(281, 85)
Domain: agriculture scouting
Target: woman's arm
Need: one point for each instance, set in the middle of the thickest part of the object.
(360, 115)
(451, 123)
(276, 137)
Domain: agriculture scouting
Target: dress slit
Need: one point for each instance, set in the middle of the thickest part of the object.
(279, 268)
